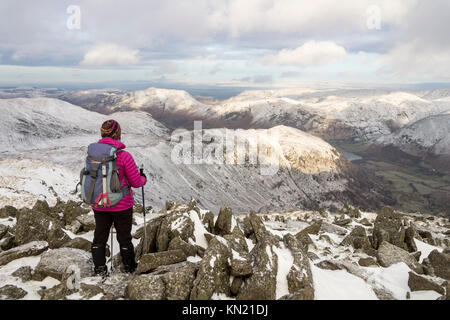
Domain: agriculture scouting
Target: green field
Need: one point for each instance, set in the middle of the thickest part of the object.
(415, 185)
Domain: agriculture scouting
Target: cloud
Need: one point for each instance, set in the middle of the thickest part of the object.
(110, 54)
(311, 53)
(417, 61)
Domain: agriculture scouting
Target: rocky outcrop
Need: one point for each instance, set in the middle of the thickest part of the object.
(10, 292)
(261, 285)
(23, 273)
(54, 263)
(389, 226)
(312, 229)
(44, 228)
(33, 248)
(179, 244)
(166, 282)
(224, 222)
(257, 226)
(358, 240)
(389, 254)
(145, 287)
(440, 263)
(151, 261)
(87, 222)
(148, 244)
(8, 211)
(214, 272)
(299, 278)
(79, 243)
(174, 225)
(418, 283)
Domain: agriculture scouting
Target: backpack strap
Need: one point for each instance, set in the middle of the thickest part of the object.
(126, 189)
(94, 168)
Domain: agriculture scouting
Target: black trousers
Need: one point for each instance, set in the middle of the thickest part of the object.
(123, 221)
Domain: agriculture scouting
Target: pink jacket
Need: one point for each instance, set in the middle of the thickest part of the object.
(128, 170)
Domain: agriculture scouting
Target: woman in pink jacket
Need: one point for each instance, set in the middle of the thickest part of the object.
(122, 213)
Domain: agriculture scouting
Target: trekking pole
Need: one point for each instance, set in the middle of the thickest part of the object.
(112, 251)
(143, 206)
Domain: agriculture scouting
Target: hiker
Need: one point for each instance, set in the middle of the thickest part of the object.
(121, 214)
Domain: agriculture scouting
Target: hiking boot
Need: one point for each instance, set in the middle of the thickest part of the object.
(101, 271)
(128, 258)
(98, 254)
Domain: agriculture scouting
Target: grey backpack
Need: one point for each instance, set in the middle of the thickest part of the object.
(99, 179)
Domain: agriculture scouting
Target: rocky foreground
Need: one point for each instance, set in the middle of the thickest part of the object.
(190, 253)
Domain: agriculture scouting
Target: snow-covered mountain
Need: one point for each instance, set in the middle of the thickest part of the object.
(337, 114)
(311, 173)
(430, 135)
(347, 114)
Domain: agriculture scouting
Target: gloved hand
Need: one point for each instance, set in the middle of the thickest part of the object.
(141, 172)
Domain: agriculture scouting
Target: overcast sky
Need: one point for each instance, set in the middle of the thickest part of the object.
(225, 42)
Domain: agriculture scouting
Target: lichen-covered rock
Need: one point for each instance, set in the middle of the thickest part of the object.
(246, 226)
(178, 279)
(358, 240)
(299, 278)
(43, 228)
(261, 285)
(389, 227)
(342, 222)
(3, 230)
(179, 244)
(365, 222)
(208, 221)
(33, 248)
(312, 229)
(146, 287)
(115, 285)
(178, 224)
(257, 224)
(151, 261)
(54, 263)
(8, 211)
(418, 283)
(240, 260)
(305, 241)
(56, 237)
(87, 222)
(79, 243)
(7, 242)
(329, 265)
(70, 210)
(236, 285)
(42, 206)
(214, 272)
(351, 211)
(150, 240)
(410, 234)
(223, 222)
(10, 292)
(367, 262)
(23, 273)
(332, 228)
(440, 263)
(111, 288)
(389, 254)
(68, 285)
